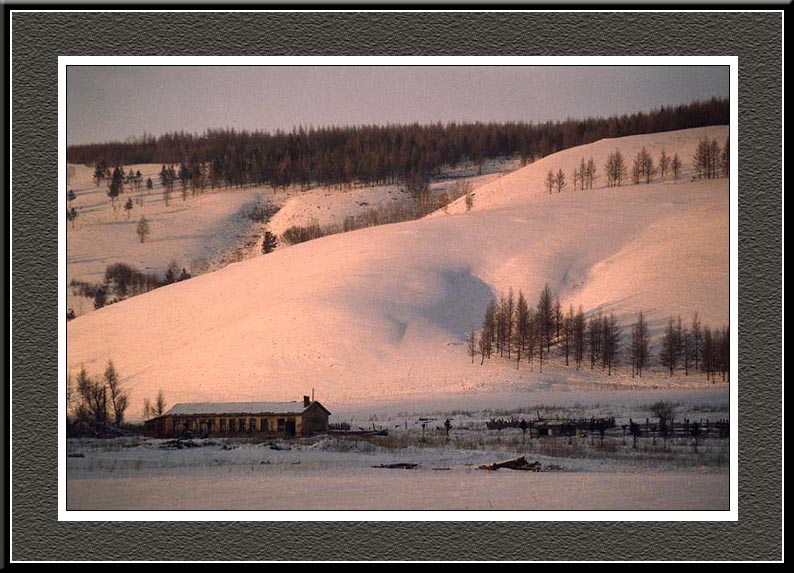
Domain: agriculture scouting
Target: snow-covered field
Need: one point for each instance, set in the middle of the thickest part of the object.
(327, 472)
(327, 206)
(201, 233)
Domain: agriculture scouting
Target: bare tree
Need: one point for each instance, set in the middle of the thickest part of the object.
(118, 397)
(668, 355)
(471, 343)
(559, 180)
(579, 337)
(665, 411)
(697, 340)
(664, 164)
(545, 316)
(676, 166)
(726, 159)
(611, 343)
(615, 169)
(522, 325)
(591, 173)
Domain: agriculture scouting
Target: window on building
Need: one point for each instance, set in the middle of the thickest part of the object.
(223, 424)
(263, 425)
(281, 424)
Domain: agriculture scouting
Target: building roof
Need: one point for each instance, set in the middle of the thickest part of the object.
(225, 408)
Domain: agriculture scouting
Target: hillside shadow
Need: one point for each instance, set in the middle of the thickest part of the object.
(461, 307)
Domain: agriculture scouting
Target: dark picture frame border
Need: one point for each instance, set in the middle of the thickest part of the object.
(39, 37)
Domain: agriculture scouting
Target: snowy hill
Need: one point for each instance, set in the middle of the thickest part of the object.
(384, 311)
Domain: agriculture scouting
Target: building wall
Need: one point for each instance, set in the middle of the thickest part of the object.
(314, 420)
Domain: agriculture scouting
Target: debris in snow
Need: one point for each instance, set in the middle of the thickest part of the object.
(400, 466)
(514, 464)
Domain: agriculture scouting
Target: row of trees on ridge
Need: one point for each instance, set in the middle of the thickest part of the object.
(514, 329)
(710, 161)
(372, 155)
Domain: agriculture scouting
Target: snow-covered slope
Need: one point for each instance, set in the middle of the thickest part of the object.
(199, 233)
(384, 311)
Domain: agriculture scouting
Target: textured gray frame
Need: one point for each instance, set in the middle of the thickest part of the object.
(38, 38)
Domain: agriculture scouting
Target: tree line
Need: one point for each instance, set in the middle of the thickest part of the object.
(97, 404)
(514, 329)
(371, 154)
(710, 161)
(122, 281)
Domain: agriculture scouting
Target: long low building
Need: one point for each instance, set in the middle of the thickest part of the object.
(285, 419)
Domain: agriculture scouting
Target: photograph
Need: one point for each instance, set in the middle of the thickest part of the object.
(477, 288)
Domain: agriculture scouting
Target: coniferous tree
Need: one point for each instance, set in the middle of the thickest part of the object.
(579, 337)
(697, 340)
(160, 404)
(100, 172)
(522, 325)
(594, 338)
(559, 180)
(142, 229)
(707, 364)
(639, 344)
(269, 242)
(509, 313)
(116, 185)
(487, 333)
(532, 336)
(725, 352)
(71, 215)
(545, 316)
(687, 351)
(567, 334)
(611, 343)
(668, 356)
(558, 319)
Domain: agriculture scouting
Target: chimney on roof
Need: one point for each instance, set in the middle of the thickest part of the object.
(306, 401)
